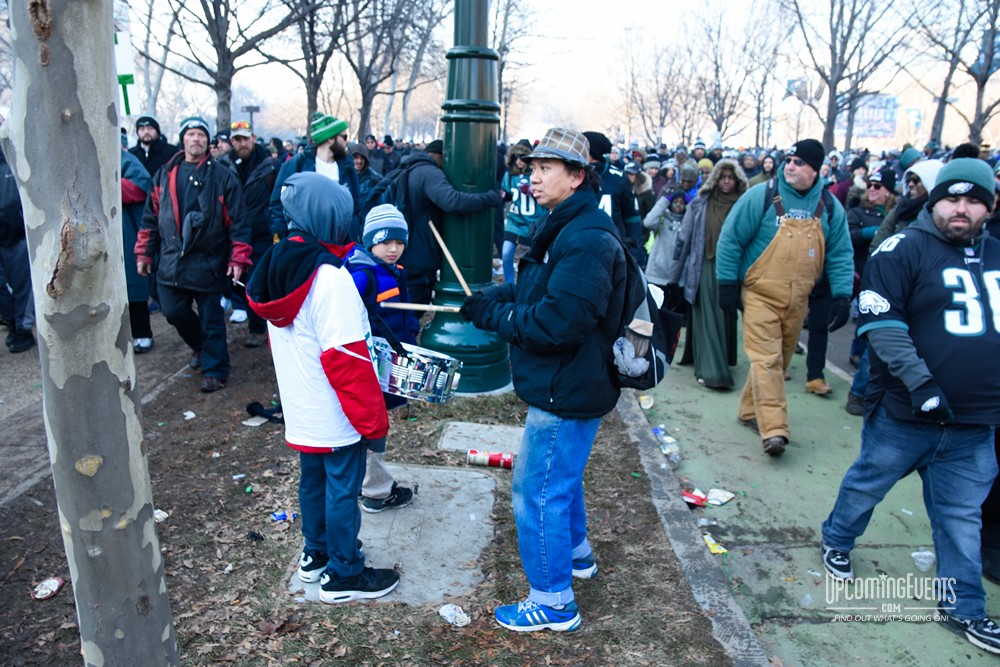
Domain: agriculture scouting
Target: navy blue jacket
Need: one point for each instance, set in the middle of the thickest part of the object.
(563, 314)
(306, 161)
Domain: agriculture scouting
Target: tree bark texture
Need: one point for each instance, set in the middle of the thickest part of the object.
(62, 142)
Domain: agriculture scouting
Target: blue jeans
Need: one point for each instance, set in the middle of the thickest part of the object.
(548, 502)
(204, 332)
(507, 257)
(957, 465)
(860, 383)
(329, 485)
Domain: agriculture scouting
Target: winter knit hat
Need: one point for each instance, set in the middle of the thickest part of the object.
(143, 121)
(436, 146)
(886, 176)
(908, 157)
(600, 145)
(655, 164)
(633, 167)
(705, 163)
(194, 123)
(323, 127)
(384, 223)
(810, 151)
(969, 177)
(689, 171)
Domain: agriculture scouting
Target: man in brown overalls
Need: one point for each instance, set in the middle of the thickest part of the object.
(769, 257)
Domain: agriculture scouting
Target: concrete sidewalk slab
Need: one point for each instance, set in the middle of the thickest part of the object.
(772, 528)
(436, 542)
(463, 436)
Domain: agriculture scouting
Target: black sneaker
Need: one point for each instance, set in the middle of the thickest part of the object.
(312, 564)
(371, 583)
(837, 563)
(400, 496)
(983, 633)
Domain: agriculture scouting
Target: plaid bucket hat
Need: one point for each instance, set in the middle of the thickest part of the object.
(563, 144)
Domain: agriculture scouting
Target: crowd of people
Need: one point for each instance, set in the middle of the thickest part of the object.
(299, 242)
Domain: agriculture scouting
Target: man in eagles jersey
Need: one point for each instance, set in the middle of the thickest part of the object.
(930, 308)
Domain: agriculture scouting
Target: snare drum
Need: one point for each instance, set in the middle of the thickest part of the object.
(422, 375)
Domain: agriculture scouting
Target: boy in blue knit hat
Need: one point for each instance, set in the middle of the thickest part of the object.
(379, 278)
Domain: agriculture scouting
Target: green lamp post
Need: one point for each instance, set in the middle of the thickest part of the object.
(471, 120)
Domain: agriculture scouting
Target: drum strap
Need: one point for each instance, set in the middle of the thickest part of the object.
(387, 332)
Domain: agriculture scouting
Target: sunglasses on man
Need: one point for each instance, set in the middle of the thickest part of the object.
(797, 161)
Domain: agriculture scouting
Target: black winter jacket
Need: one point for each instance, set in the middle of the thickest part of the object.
(429, 195)
(564, 313)
(256, 193)
(11, 214)
(195, 247)
(159, 152)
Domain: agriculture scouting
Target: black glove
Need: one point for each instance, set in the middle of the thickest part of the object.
(929, 403)
(474, 308)
(729, 298)
(840, 312)
(672, 296)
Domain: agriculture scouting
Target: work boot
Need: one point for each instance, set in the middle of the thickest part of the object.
(818, 387)
(855, 404)
(775, 446)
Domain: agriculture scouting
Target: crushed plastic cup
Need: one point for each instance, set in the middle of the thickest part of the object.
(923, 559)
(455, 615)
(159, 516)
(806, 600)
(47, 588)
(719, 496)
(645, 401)
(705, 522)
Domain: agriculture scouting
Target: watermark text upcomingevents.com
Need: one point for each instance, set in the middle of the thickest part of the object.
(883, 598)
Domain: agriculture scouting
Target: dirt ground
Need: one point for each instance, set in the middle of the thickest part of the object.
(227, 561)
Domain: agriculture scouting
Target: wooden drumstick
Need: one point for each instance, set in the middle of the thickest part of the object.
(420, 306)
(451, 260)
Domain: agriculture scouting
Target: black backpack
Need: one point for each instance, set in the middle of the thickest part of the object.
(392, 189)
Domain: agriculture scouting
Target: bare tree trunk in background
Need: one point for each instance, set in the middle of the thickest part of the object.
(153, 82)
(65, 95)
(391, 94)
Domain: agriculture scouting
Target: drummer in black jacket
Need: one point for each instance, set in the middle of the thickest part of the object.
(560, 318)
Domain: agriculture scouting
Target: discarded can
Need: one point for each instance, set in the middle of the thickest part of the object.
(47, 588)
(494, 459)
(280, 515)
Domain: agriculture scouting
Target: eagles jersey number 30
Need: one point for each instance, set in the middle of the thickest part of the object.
(947, 298)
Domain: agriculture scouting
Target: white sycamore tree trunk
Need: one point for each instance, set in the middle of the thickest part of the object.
(62, 143)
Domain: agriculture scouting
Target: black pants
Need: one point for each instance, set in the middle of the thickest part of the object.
(817, 322)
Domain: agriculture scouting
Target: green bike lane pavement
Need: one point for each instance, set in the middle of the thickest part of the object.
(771, 530)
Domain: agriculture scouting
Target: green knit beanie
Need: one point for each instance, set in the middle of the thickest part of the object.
(909, 156)
(324, 126)
(966, 176)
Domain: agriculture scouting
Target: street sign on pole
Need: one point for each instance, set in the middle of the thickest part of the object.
(251, 109)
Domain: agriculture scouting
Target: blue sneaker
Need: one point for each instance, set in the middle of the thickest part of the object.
(585, 568)
(529, 616)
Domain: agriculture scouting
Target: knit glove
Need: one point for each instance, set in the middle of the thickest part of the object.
(840, 312)
(729, 298)
(474, 308)
(929, 403)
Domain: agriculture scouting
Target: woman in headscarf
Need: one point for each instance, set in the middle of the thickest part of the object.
(711, 333)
